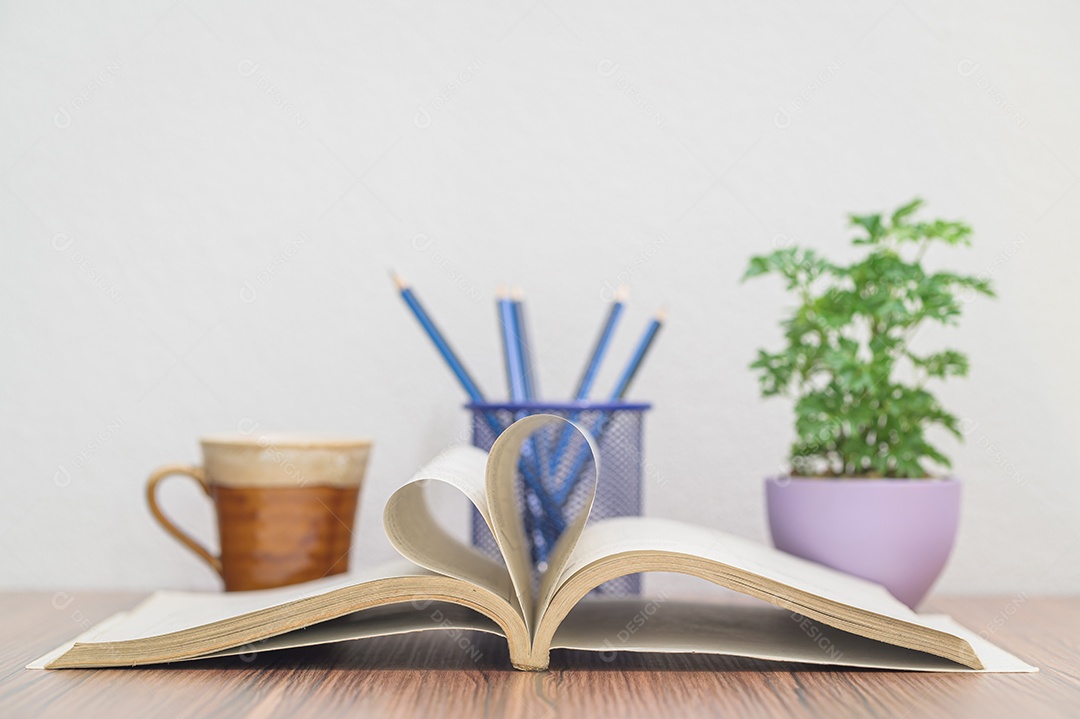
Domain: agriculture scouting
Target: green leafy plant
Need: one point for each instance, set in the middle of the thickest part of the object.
(848, 354)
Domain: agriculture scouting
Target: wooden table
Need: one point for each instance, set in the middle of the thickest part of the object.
(435, 675)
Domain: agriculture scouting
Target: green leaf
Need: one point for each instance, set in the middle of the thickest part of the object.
(872, 224)
(905, 211)
(758, 266)
(848, 333)
(942, 364)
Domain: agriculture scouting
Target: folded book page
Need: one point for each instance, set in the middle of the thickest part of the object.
(417, 536)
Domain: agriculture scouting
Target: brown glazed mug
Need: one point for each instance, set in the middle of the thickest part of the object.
(285, 506)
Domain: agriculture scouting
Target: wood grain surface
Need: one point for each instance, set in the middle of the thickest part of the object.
(441, 675)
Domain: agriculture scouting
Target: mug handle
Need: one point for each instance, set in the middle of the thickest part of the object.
(199, 476)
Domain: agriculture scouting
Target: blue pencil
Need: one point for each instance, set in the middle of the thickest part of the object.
(592, 367)
(617, 394)
(639, 356)
(530, 451)
(528, 368)
(515, 375)
(523, 390)
(436, 336)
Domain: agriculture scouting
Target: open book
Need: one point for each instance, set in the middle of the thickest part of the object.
(824, 616)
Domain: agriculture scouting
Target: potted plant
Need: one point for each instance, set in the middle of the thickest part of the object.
(865, 493)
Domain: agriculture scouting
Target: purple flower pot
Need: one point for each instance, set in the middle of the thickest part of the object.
(896, 532)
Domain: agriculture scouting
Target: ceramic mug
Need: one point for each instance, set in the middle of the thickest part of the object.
(285, 506)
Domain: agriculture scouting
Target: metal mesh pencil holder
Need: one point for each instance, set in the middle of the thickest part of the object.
(555, 467)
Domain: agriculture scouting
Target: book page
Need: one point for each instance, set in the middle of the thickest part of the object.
(417, 535)
(505, 522)
(650, 534)
(380, 622)
(166, 612)
(506, 519)
(172, 611)
(625, 545)
(567, 542)
(757, 631)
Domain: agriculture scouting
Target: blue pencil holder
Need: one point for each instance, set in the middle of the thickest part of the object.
(555, 469)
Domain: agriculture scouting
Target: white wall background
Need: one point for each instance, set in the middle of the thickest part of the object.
(164, 163)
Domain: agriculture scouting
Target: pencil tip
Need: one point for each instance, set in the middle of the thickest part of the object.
(500, 292)
(398, 279)
(622, 294)
(518, 294)
(661, 314)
